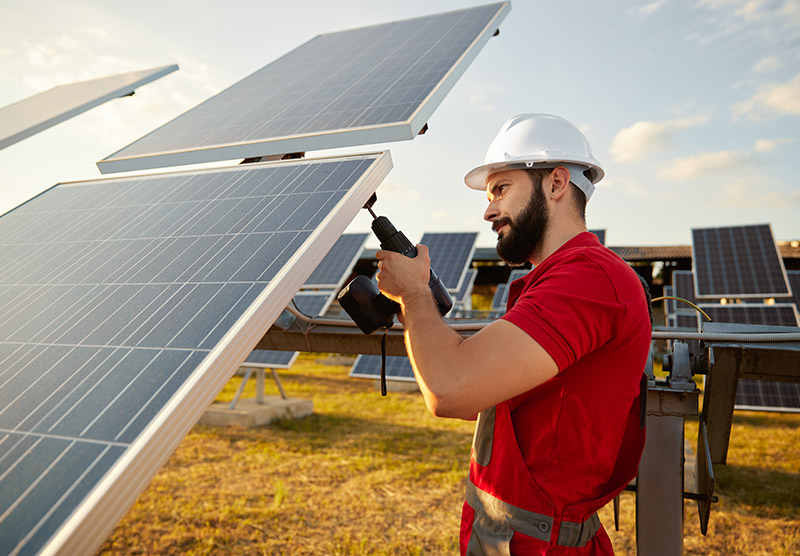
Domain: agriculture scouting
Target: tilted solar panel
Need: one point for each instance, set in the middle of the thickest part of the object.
(451, 255)
(398, 367)
(683, 286)
(362, 86)
(125, 306)
(737, 262)
(39, 112)
(337, 264)
(760, 395)
(500, 298)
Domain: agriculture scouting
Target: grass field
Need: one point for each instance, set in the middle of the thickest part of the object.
(373, 475)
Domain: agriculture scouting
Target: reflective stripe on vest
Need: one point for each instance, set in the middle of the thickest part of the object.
(529, 523)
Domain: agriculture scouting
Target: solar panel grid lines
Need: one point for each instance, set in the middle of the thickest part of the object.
(737, 262)
(777, 314)
(34, 114)
(104, 367)
(368, 85)
(450, 255)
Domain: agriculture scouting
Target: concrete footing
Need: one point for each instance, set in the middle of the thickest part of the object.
(248, 413)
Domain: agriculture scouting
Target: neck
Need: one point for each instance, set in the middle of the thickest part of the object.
(558, 233)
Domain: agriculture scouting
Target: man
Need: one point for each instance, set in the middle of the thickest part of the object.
(557, 379)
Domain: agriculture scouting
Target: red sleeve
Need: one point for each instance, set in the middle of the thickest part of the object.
(570, 311)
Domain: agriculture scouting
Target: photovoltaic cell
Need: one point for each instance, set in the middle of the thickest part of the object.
(29, 116)
(398, 367)
(337, 264)
(760, 395)
(737, 262)
(368, 85)
(125, 306)
(311, 304)
(451, 255)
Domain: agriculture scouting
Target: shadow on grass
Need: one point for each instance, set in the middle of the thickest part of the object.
(765, 492)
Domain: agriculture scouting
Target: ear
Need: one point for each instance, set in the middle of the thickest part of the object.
(559, 182)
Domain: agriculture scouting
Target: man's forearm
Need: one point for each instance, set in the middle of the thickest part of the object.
(434, 351)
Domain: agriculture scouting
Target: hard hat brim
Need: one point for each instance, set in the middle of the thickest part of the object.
(478, 176)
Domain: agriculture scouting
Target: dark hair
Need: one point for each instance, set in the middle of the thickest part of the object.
(578, 196)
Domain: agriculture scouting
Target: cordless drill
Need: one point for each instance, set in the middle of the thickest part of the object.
(362, 299)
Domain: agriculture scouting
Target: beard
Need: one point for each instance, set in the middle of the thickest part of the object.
(525, 232)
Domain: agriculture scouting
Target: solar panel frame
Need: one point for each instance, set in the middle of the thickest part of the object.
(136, 157)
(601, 235)
(36, 113)
(94, 517)
(451, 254)
(731, 248)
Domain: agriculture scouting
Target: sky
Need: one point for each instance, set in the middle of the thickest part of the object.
(692, 107)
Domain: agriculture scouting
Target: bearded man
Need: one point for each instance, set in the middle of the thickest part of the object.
(556, 382)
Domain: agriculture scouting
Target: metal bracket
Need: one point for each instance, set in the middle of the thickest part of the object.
(259, 385)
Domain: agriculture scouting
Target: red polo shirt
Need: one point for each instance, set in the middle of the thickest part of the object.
(586, 307)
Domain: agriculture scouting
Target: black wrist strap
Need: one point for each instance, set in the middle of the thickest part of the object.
(383, 362)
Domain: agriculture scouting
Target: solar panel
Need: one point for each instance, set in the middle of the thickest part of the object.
(398, 367)
(362, 86)
(760, 395)
(794, 283)
(500, 298)
(601, 235)
(125, 306)
(683, 286)
(737, 262)
(29, 116)
(778, 314)
(451, 255)
(669, 304)
(517, 273)
(309, 303)
(337, 264)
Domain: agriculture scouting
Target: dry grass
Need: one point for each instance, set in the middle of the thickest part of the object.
(372, 475)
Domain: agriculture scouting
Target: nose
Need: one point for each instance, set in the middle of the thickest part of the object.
(491, 212)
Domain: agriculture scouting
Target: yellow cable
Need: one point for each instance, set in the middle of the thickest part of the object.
(695, 307)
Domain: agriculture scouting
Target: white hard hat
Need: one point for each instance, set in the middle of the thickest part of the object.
(540, 141)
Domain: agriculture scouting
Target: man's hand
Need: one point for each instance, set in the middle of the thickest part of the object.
(401, 278)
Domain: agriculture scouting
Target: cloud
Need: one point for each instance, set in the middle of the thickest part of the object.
(767, 64)
(776, 98)
(643, 138)
(442, 216)
(651, 8)
(710, 165)
(766, 145)
(741, 195)
(394, 190)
